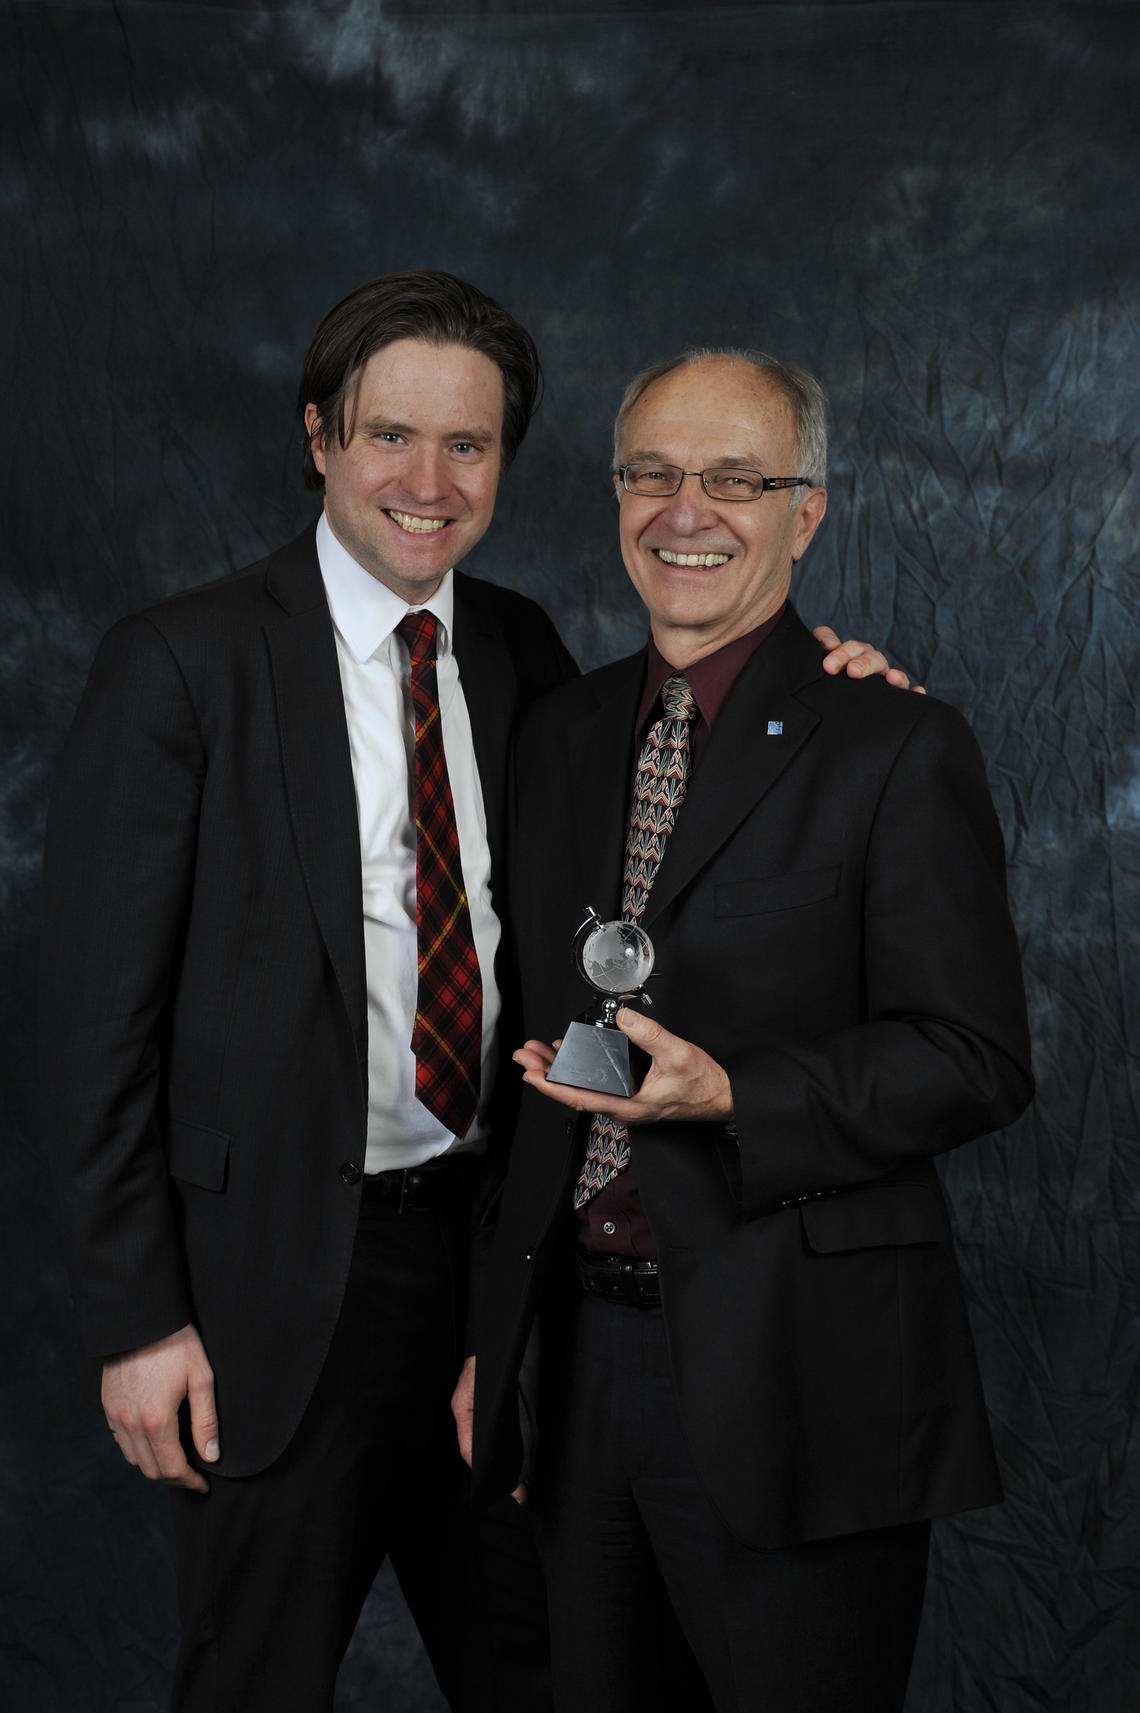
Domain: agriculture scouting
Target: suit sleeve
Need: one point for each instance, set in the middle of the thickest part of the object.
(118, 876)
(545, 664)
(943, 1056)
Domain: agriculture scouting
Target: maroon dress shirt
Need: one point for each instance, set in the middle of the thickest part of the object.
(613, 1222)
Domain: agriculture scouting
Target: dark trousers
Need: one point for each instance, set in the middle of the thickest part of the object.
(273, 1569)
(653, 1602)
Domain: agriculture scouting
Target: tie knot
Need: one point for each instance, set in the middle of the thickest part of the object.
(418, 631)
(677, 699)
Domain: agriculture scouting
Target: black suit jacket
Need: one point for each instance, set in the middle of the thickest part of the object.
(203, 1005)
(830, 924)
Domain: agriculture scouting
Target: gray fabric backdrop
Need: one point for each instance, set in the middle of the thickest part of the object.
(933, 206)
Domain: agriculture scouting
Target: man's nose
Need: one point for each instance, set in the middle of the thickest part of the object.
(690, 508)
(425, 474)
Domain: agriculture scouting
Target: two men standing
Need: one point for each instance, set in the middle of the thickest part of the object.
(274, 1000)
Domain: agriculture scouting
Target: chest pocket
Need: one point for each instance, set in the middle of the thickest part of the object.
(778, 892)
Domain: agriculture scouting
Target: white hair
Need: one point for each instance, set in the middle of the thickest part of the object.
(802, 391)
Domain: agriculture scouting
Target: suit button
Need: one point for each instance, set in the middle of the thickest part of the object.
(350, 1172)
(529, 1256)
(609, 1228)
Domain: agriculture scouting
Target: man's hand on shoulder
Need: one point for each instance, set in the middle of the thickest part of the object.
(142, 1392)
(860, 660)
(683, 1084)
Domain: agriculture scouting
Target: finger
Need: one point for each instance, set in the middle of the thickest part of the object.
(842, 653)
(866, 663)
(134, 1443)
(204, 1428)
(463, 1408)
(464, 1419)
(825, 635)
(644, 1031)
(534, 1056)
(898, 678)
(188, 1477)
(564, 1093)
(520, 1495)
(204, 1417)
(171, 1461)
(581, 1099)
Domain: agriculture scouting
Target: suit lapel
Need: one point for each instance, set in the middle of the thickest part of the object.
(743, 759)
(318, 767)
(599, 764)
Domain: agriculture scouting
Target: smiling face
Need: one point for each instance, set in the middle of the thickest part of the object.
(414, 489)
(709, 570)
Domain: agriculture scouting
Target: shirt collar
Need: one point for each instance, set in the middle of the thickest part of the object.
(711, 678)
(365, 611)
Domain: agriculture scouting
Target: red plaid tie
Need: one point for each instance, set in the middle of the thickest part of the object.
(658, 791)
(448, 1032)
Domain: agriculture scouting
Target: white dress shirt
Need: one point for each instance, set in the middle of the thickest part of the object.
(375, 677)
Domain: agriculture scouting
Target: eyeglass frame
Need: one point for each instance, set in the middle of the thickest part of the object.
(768, 484)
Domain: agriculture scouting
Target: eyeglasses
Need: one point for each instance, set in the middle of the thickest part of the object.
(646, 476)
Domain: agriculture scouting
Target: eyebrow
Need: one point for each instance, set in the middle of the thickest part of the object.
(727, 460)
(386, 425)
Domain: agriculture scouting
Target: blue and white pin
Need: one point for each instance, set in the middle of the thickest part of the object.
(775, 728)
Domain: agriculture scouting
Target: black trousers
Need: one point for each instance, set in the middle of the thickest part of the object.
(653, 1602)
(273, 1569)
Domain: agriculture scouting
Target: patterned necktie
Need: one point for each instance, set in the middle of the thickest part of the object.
(448, 1033)
(658, 791)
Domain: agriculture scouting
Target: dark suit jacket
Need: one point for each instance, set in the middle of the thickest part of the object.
(830, 924)
(203, 995)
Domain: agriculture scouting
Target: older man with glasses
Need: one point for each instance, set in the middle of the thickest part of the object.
(756, 1383)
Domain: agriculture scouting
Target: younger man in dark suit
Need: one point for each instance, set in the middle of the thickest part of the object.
(267, 1190)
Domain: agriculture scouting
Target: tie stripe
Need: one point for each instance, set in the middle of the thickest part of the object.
(659, 788)
(448, 1032)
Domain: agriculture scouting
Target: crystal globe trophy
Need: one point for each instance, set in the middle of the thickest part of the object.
(616, 960)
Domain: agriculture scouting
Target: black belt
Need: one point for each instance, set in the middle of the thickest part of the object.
(435, 1186)
(619, 1278)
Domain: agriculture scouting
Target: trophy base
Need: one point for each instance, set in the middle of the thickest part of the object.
(595, 1057)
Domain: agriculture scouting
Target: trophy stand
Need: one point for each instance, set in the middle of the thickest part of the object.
(616, 960)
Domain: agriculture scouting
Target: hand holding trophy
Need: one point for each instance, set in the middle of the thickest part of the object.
(616, 960)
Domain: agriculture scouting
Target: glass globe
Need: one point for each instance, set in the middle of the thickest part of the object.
(616, 957)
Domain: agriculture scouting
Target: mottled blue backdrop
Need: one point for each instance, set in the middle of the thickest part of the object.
(932, 205)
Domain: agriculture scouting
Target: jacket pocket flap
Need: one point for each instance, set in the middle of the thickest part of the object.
(197, 1155)
(777, 892)
(886, 1215)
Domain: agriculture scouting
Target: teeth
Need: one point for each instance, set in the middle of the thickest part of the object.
(418, 525)
(691, 558)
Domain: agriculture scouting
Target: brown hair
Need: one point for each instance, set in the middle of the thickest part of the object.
(438, 309)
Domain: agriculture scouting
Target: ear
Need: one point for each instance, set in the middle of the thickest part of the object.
(618, 489)
(313, 430)
(808, 517)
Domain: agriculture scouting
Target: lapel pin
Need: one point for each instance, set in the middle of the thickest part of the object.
(775, 728)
